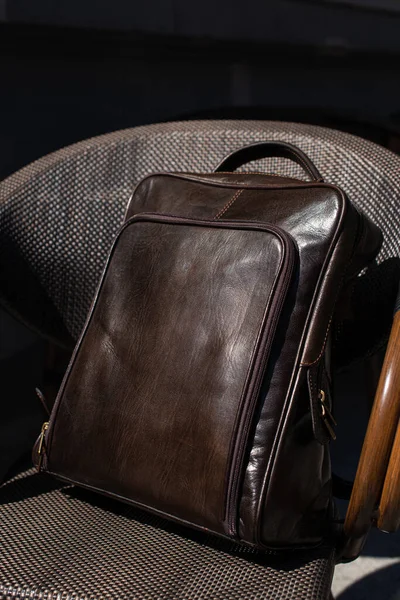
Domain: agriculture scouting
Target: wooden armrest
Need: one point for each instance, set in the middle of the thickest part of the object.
(376, 452)
(389, 508)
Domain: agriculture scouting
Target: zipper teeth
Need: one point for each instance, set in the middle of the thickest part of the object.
(261, 368)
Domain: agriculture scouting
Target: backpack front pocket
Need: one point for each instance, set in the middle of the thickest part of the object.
(158, 400)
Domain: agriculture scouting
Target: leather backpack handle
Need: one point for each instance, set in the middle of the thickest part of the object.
(266, 150)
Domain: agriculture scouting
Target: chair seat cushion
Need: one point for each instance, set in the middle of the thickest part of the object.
(62, 542)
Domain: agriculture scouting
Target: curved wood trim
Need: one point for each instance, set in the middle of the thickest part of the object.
(377, 446)
(389, 509)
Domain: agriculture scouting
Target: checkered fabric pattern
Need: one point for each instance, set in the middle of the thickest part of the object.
(61, 543)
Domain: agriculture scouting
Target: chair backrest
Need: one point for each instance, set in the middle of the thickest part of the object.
(58, 215)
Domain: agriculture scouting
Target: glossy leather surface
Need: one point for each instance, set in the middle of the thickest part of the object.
(284, 495)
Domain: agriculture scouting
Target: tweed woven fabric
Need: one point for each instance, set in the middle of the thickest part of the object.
(58, 216)
(61, 543)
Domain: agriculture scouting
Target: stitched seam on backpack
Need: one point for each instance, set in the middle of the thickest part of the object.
(310, 364)
(265, 174)
(225, 208)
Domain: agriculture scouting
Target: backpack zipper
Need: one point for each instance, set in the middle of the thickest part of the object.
(259, 370)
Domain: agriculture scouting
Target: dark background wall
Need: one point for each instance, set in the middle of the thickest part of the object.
(71, 70)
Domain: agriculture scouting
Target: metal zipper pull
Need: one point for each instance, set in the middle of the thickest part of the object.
(322, 399)
(41, 446)
(327, 417)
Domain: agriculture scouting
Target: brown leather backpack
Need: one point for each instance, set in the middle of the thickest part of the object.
(200, 386)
